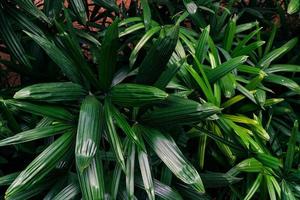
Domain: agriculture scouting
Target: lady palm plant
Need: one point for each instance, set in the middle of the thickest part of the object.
(143, 110)
(249, 122)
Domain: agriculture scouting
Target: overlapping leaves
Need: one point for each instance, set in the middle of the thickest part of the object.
(169, 108)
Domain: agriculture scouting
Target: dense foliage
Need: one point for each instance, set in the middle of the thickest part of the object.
(156, 100)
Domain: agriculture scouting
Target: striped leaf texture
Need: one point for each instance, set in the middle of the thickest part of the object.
(58, 56)
(44, 110)
(112, 135)
(136, 95)
(108, 55)
(88, 132)
(158, 56)
(8, 178)
(36, 133)
(52, 92)
(91, 180)
(179, 113)
(167, 150)
(12, 41)
(40, 167)
(145, 167)
(71, 191)
(149, 99)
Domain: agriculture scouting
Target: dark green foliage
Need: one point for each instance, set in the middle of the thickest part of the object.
(159, 100)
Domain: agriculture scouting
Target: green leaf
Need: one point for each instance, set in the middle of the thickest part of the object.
(130, 166)
(254, 187)
(115, 187)
(283, 68)
(272, 101)
(276, 53)
(45, 121)
(224, 144)
(202, 84)
(249, 69)
(182, 17)
(271, 189)
(29, 7)
(56, 188)
(146, 13)
(245, 27)
(130, 20)
(202, 148)
(196, 16)
(260, 96)
(34, 191)
(247, 38)
(115, 181)
(180, 113)
(246, 92)
(228, 85)
(271, 38)
(70, 192)
(258, 38)
(52, 8)
(162, 190)
(8, 114)
(24, 22)
(44, 110)
(167, 150)
(145, 167)
(40, 167)
(8, 35)
(91, 180)
(8, 179)
(122, 123)
(286, 191)
(190, 193)
(250, 165)
(80, 10)
(166, 176)
(216, 180)
(187, 42)
(249, 48)
(282, 80)
(129, 94)
(291, 148)
(58, 56)
(276, 185)
(36, 133)
(52, 92)
(179, 53)
(157, 57)
(293, 6)
(70, 43)
(240, 119)
(244, 135)
(107, 60)
(167, 76)
(146, 174)
(88, 132)
(223, 69)
(109, 4)
(88, 37)
(112, 134)
(200, 48)
(255, 82)
(229, 34)
(146, 37)
(131, 29)
(268, 160)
